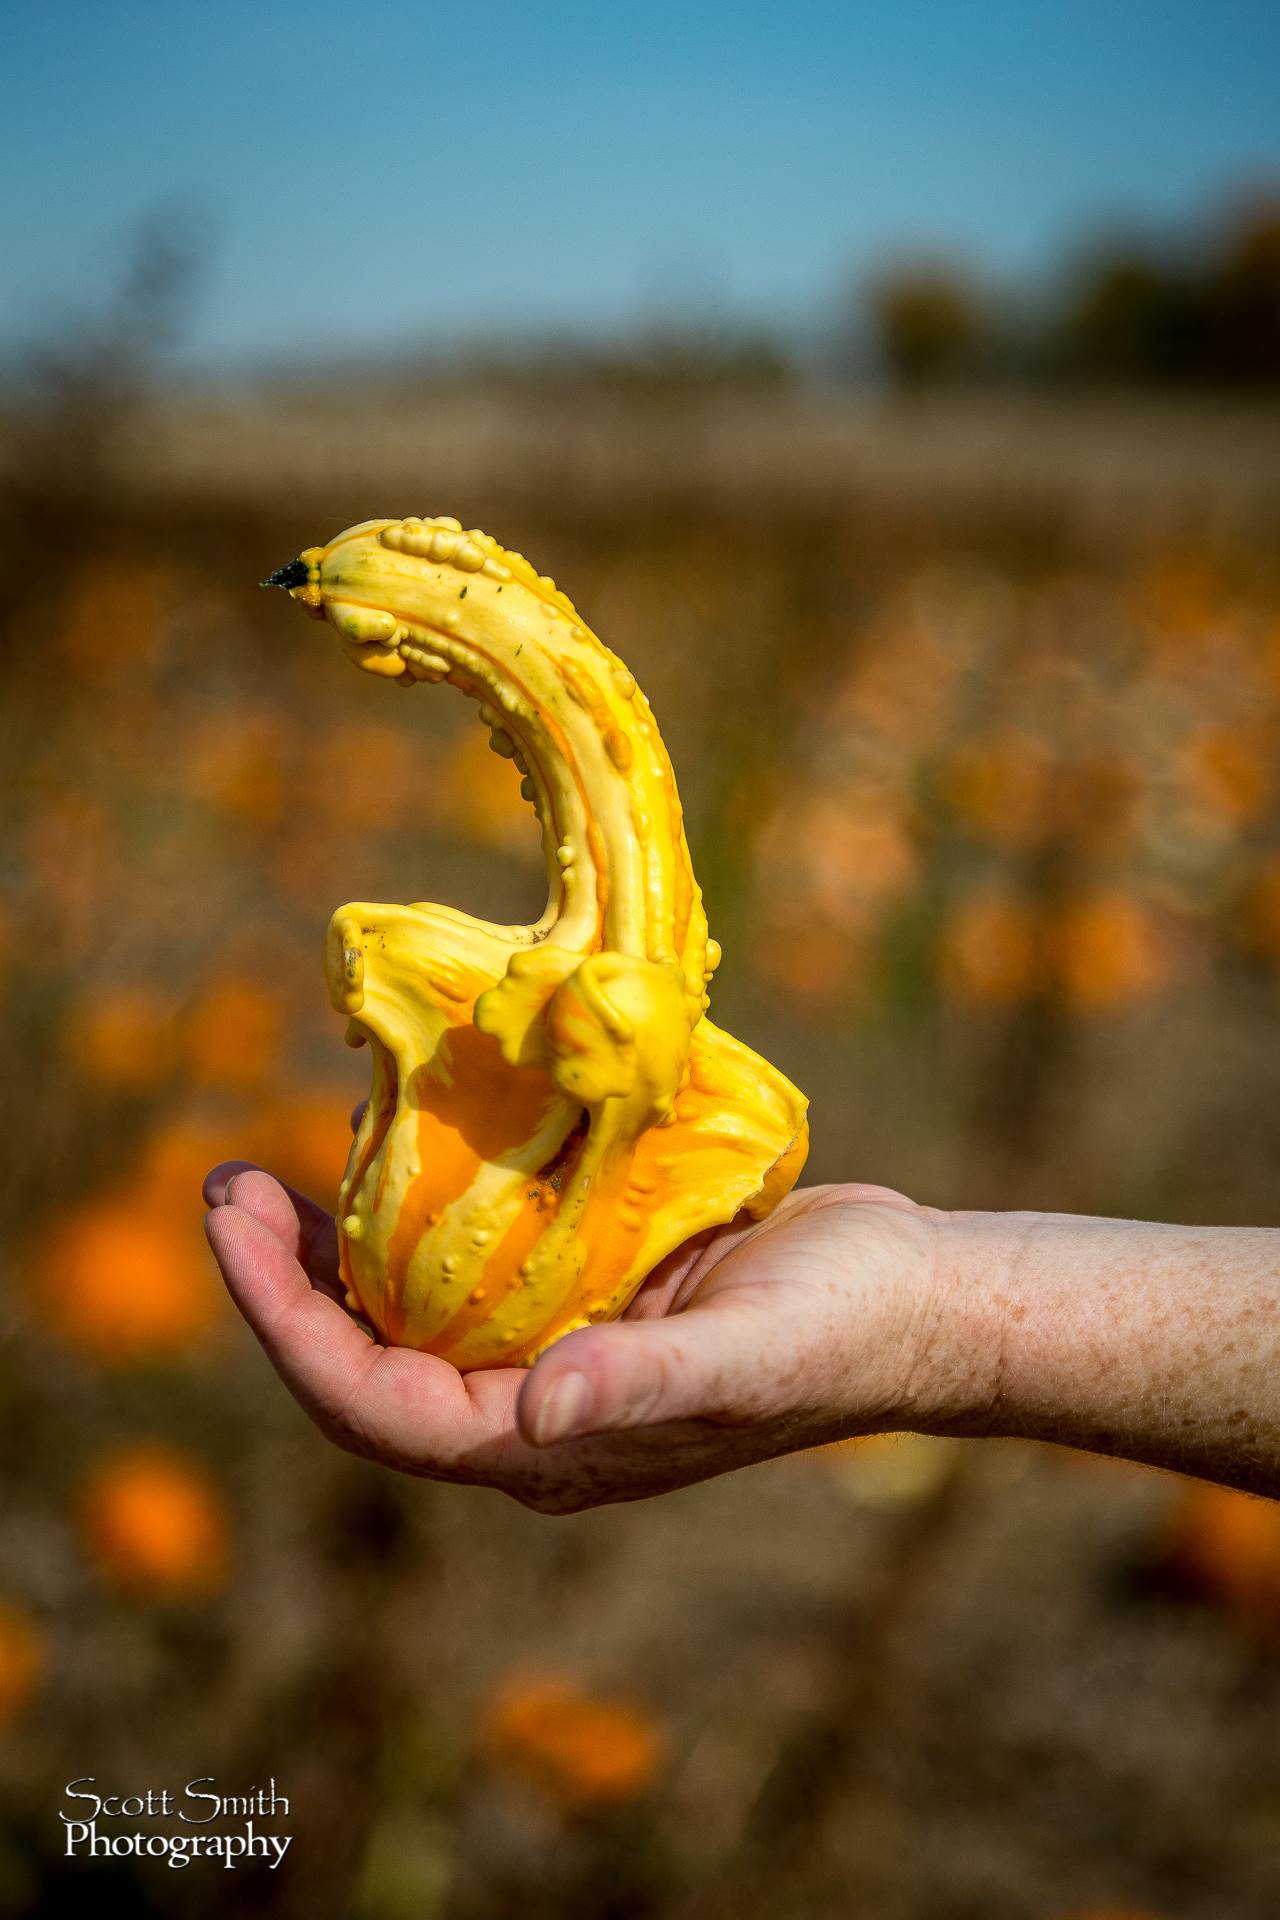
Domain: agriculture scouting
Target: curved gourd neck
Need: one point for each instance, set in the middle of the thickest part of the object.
(423, 600)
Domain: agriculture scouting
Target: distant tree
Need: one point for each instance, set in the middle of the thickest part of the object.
(930, 326)
(1198, 308)
(74, 390)
(1241, 300)
(1127, 315)
(1198, 311)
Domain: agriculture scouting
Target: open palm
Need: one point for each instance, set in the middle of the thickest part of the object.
(750, 1340)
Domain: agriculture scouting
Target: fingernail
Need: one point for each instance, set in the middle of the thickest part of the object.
(564, 1411)
(229, 1191)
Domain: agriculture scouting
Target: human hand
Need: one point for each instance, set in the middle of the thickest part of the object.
(751, 1340)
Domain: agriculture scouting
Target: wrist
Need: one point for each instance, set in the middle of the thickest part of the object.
(963, 1388)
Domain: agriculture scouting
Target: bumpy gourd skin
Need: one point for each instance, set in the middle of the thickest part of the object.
(552, 1112)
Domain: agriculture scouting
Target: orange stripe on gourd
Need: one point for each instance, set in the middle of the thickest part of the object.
(499, 1278)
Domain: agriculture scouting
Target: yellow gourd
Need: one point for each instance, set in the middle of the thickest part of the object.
(552, 1112)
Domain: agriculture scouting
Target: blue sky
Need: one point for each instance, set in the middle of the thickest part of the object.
(375, 174)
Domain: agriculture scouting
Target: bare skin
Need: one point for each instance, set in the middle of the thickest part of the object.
(850, 1310)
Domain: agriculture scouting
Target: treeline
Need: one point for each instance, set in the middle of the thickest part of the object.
(1202, 310)
(1197, 310)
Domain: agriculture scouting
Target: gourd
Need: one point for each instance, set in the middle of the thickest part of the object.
(552, 1111)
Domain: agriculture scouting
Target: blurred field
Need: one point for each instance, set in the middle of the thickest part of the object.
(976, 711)
(1094, 458)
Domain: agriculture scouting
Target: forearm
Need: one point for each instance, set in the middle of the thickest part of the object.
(1157, 1343)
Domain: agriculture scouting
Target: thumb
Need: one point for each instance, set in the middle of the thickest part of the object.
(638, 1373)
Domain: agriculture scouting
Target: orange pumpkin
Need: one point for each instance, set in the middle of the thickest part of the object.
(155, 1524)
(586, 1753)
(1225, 1546)
(126, 1280)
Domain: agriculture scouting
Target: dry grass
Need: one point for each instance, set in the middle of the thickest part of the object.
(1095, 458)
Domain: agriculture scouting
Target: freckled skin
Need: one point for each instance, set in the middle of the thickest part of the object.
(1129, 1338)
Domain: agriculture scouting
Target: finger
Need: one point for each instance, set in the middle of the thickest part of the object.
(409, 1410)
(316, 1348)
(303, 1228)
(219, 1178)
(700, 1364)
